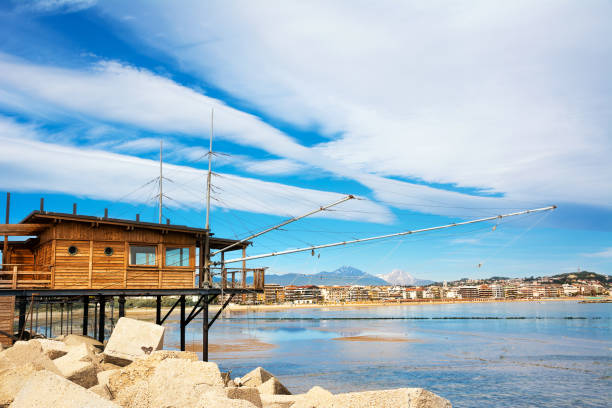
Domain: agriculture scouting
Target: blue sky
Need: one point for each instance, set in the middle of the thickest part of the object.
(429, 112)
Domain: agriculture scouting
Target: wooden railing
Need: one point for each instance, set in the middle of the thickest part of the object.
(18, 276)
(238, 278)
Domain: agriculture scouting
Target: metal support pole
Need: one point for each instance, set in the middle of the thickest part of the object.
(22, 315)
(207, 277)
(161, 182)
(85, 314)
(158, 319)
(101, 319)
(205, 331)
(31, 316)
(62, 318)
(95, 322)
(37, 309)
(112, 318)
(121, 306)
(51, 318)
(8, 212)
(182, 304)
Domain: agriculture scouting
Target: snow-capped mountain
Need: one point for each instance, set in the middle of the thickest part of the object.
(399, 277)
(345, 275)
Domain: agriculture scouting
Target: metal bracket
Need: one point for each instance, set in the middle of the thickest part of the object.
(170, 311)
(221, 310)
(193, 315)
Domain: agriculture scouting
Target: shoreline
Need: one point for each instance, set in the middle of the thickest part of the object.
(287, 306)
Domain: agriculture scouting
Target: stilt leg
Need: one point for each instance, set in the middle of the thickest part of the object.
(51, 318)
(158, 310)
(182, 304)
(95, 322)
(121, 306)
(22, 315)
(85, 314)
(205, 331)
(101, 319)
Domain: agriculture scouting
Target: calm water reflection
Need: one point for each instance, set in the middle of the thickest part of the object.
(554, 354)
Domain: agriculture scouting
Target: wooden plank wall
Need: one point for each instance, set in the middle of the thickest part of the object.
(142, 277)
(107, 271)
(7, 308)
(177, 279)
(23, 256)
(71, 271)
(43, 256)
(92, 268)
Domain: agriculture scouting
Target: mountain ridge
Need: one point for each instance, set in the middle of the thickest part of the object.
(343, 276)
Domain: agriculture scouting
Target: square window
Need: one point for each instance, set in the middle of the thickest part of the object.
(143, 255)
(177, 256)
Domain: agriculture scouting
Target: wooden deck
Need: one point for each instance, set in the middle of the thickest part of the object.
(32, 276)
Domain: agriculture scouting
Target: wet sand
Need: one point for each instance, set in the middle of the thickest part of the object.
(233, 346)
(378, 339)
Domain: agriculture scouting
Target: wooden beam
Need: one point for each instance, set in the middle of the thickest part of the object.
(16, 230)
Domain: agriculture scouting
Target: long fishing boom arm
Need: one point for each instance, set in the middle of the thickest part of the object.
(282, 224)
(397, 234)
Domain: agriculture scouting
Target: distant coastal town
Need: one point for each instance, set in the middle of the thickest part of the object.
(569, 285)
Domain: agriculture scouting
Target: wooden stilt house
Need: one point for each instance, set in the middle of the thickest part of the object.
(70, 251)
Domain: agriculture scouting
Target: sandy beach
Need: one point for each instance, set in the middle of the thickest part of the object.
(148, 311)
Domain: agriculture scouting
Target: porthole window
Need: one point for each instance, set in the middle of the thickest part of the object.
(72, 250)
(108, 251)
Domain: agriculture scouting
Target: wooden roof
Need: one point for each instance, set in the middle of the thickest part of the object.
(46, 217)
(37, 221)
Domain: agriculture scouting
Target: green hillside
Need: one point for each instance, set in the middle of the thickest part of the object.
(584, 275)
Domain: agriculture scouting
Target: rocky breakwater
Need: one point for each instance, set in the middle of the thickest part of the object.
(133, 371)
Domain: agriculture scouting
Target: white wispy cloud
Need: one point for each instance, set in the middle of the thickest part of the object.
(465, 241)
(28, 164)
(606, 253)
(275, 167)
(118, 95)
(415, 92)
(145, 144)
(53, 6)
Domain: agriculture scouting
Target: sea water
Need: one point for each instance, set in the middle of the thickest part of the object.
(514, 354)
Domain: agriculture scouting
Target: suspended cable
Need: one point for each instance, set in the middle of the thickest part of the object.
(290, 251)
